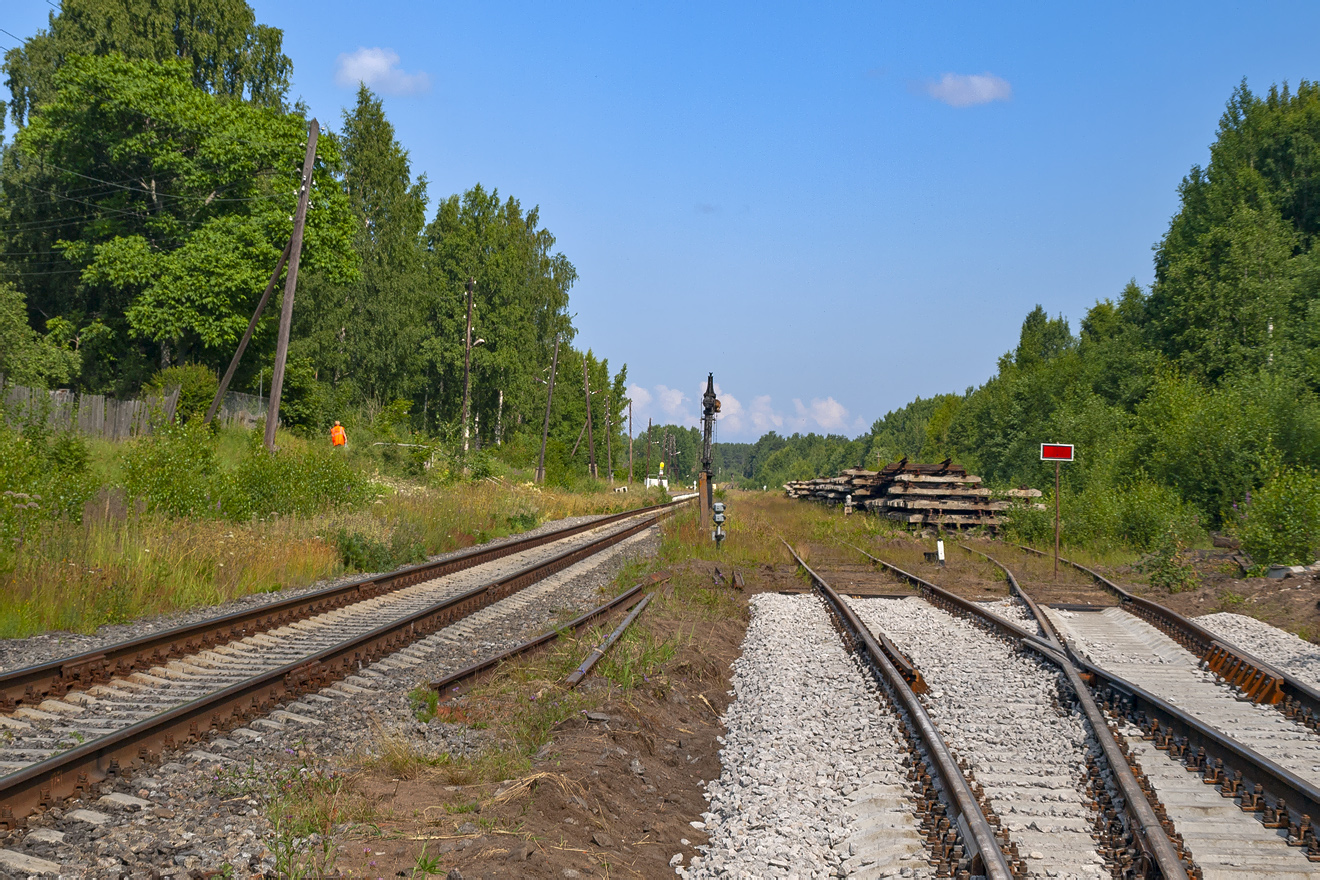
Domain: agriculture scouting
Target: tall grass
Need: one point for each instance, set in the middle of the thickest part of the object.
(123, 562)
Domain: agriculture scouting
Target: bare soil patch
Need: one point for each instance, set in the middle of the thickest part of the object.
(613, 790)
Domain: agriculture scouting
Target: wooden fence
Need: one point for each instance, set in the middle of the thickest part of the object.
(94, 415)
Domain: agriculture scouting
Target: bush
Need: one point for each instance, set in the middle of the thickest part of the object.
(1281, 524)
(298, 481)
(174, 470)
(197, 387)
(363, 553)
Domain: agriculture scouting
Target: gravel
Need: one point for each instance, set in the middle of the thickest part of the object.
(21, 653)
(205, 803)
(1271, 644)
(998, 710)
(811, 784)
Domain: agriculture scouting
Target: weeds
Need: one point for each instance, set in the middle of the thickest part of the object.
(423, 701)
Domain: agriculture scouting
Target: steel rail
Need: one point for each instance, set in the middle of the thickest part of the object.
(75, 771)
(31, 685)
(1152, 834)
(975, 830)
(1149, 834)
(623, 599)
(1258, 680)
(1238, 768)
(597, 653)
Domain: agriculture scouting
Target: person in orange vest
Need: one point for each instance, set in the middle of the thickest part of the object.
(337, 436)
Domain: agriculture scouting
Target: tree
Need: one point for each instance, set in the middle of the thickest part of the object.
(227, 53)
(368, 332)
(147, 214)
(521, 304)
(27, 357)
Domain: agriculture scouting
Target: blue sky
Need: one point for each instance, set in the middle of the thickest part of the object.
(834, 210)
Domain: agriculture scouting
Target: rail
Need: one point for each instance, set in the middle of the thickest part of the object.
(975, 830)
(33, 684)
(1161, 856)
(1258, 680)
(76, 770)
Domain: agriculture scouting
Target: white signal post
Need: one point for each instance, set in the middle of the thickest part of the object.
(1057, 453)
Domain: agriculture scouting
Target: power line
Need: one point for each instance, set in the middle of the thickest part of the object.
(144, 191)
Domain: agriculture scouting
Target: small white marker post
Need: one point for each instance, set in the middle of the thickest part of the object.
(1057, 453)
(939, 548)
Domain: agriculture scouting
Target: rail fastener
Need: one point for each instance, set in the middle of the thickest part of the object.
(1257, 680)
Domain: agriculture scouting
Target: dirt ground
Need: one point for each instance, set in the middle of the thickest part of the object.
(614, 791)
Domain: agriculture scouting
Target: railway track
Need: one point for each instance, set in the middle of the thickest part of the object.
(963, 841)
(84, 719)
(1229, 808)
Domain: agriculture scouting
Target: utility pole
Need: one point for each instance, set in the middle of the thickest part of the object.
(247, 336)
(710, 405)
(649, 441)
(591, 443)
(609, 440)
(467, 361)
(545, 431)
(630, 463)
(290, 283)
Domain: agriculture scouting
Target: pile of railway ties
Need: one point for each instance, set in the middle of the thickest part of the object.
(943, 495)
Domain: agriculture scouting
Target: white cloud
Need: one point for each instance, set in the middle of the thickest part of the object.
(828, 414)
(968, 90)
(379, 69)
(738, 421)
(640, 397)
(671, 400)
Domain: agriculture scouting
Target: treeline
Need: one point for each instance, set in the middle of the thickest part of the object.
(148, 192)
(1193, 404)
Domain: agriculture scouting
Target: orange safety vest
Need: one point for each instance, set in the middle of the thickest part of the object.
(337, 436)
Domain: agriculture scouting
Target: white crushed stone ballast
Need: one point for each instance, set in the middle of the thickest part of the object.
(812, 783)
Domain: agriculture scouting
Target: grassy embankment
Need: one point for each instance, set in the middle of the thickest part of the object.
(126, 537)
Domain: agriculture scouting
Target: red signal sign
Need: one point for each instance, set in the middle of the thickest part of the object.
(1056, 452)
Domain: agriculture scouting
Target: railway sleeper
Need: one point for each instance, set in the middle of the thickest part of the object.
(1251, 798)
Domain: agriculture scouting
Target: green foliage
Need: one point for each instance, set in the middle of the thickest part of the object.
(423, 701)
(43, 477)
(228, 52)
(169, 266)
(292, 482)
(27, 357)
(1169, 568)
(197, 386)
(174, 470)
(1281, 524)
(363, 553)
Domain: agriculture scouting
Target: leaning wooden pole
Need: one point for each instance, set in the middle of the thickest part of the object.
(247, 336)
(290, 283)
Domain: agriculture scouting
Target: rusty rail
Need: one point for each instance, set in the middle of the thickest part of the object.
(974, 829)
(55, 678)
(75, 771)
(1236, 768)
(622, 600)
(1259, 681)
(585, 667)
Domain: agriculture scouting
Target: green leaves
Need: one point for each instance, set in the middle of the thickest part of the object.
(170, 205)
